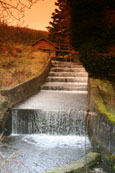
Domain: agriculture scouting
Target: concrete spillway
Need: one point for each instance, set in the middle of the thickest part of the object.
(52, 123)
(61, 104)
(68, 122)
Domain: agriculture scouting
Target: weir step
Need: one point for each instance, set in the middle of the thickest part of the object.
(67, 92)
(55, 122)
(65, 69)
(56, 100)
(67, 79)
(68, 59)
(65, 62)
(59, 108)
(68, 74)
(64, 86)
(67, 65)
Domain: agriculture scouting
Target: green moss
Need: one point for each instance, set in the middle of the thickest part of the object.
(112, 158)
(103, 110)
(93, 83)
(114, 167)
(106, 86)
(107, 110)
(105, 154)
(109, 158)
(103, 85)
(110, 108)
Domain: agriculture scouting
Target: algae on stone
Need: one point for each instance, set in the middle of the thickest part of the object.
(106, 86)
(106, 109)
(102, 125)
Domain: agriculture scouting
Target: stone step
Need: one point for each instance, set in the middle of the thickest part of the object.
(67, 59)
(66, 92)
(67, 65)
(65, 69)
(67, 79)
(69, 74)
(64, 86)
(64, 62)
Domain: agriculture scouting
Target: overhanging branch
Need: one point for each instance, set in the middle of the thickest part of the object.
(13, 10)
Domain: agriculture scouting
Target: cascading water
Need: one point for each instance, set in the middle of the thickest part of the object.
(49, 128)
(65, 122)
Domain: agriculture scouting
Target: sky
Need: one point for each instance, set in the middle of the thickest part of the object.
(39, 16)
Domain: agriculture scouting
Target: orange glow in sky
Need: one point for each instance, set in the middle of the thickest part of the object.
(39, 16)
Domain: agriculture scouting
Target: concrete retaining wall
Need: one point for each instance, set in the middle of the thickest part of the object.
(13, 96)
(101, 118)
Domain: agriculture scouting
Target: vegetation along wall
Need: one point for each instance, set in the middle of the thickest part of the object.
(11, 97)
(101, 118)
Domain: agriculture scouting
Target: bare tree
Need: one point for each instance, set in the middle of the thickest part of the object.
(13, 10)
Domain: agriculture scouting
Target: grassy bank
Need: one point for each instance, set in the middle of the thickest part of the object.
(18, 63)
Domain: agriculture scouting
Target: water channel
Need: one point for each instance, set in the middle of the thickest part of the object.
(49, 129)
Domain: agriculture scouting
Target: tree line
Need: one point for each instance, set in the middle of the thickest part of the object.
(20, 34)
(89, 25)
(13, 12)
(59, 28)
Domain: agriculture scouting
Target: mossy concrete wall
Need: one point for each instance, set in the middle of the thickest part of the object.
(101, 118)
(12, 96)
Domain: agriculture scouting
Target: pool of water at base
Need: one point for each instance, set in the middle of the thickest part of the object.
(38, 153)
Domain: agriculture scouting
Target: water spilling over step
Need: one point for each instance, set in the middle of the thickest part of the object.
(69, 74)
(79, 80)
(64, 86)
(51, 125)
(67, 69)
(66, 122)
(66, 64)
(66, 76)
(60, 107)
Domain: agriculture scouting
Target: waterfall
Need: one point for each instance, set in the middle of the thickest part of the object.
(51, 125)
(60, 107)
(63, 122)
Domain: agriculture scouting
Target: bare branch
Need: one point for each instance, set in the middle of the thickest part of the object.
(5, 160)
(13, 10)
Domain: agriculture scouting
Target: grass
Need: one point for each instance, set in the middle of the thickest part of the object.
(19, 63)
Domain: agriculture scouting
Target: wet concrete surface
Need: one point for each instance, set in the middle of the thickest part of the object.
(37, 153)
(49, 100)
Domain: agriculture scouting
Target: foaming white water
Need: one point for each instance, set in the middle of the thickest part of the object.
(50, 141)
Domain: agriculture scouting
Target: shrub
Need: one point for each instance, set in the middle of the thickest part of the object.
(98, 64)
